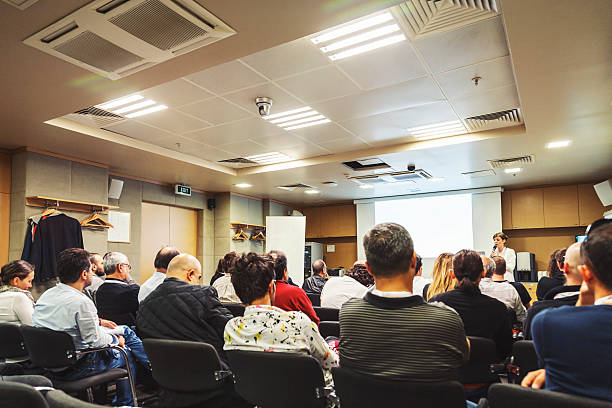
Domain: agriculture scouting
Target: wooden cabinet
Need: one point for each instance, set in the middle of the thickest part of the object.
(331, 221)
(527, 208)
(344, 255)
(313, 222)
(589, 205)
(560, 206)
(506, 203)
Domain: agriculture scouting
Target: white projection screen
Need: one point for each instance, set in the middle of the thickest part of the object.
(287, 234)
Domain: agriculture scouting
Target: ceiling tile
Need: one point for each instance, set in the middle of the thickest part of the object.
(287, 59)
(284, 140)
(226, 77)
(215, 111)
(176, 93)
(181, 144)
(173, 121)
(344, 145)
(495, 100)
(493, 74)
(385, 66)
(323, 133)
(320, 84)
(464, 46)
(304, 151)
(235, 132)
(245, 148)
(410, 93)
(207, 152)
(140, 131)
(246, 98)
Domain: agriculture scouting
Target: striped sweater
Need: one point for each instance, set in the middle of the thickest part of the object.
(401, 338)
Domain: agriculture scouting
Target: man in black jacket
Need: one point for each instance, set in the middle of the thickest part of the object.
(116, 299)
(315, 283)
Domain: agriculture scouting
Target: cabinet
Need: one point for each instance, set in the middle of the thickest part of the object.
(560, 206)
(590, 207)
(527, 208)
(313, 222)
(506, 202)
(331, 221)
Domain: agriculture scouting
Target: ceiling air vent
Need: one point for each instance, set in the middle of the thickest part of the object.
(510, 117)
(95, 117)
(512, 162)
(238, 160)
(422, 17)
(392, 177)
(366, 164)
(291, 187)
(117, 38)
(479, 173)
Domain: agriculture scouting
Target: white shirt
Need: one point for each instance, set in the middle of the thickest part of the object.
(150, 284)
(225, 289)
(338, 290)
(505, 293)
(510, 257)
(418, 284)
(16, 308)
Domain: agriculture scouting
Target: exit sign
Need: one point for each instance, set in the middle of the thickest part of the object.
(182, 190)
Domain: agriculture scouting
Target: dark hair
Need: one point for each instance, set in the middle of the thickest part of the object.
(15, 269)
(419, 263)
(503, 236)
(227, 262)
(164, 256)
(560, 258)
(280, 264)
(500, 265)
(218, 272)
(318, 266)
(71, 263)
(553, 267)
(360, 273)
(251, 276)
(467, 267)
(388, 249)
(596, 252)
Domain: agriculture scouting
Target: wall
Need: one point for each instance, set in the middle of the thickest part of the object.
(344, 255)
(249, 211)
(5, 206)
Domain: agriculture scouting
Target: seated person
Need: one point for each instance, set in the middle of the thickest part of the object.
(554, 276)
(265, 327)
(66, 308)
(289, 297)
(574, 342)
(419, 282)
(116, 298)
(162, 259)
(391, 333)
(315, 283)
(442, 279)
(224, 286)
(16, 301)
(495, 285)
(482, 315)
(97, 263)
(354, 284)
(565, 295)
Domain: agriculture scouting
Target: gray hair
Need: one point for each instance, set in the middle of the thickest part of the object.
(112, 260)
(389, 249)
(489, 269)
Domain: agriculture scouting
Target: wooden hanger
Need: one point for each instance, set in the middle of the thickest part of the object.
(48, 210)
(95, 220)
(240, 235)
(259, 236)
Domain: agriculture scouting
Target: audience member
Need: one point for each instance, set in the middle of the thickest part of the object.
(224, 286)
(495, 285)
(116, 299)
(442, 279)
(265, 327)
(391, 333)
(16, 301)
(98, 276)
(482, 315)
(66, 308)
(315, 283)
(289, 297)
(574, 343)
(419, 282)
(354, 284)
(554, 276)
(218, 273)
(162, 259)
(561, 295)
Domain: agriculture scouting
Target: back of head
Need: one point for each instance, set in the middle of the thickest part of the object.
(596, 253)
(442, 279)
(572, 259)
(227, 262)
(185, 267)
(164, 256)
(252, 276)
(419, 263)
(360, 273)
(15, 269)
(112, 260)
(280, 264)
(389, 250)
(553, 267)
(71, 263)
(467, 267)
(318, 267)
(500, 265)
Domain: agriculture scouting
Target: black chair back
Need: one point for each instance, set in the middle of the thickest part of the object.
(33, 380)
(183, 366)
(477, 370)
(512, 396)
(20, 395)
(315, 298)
(237, 309)
(127, 319)
(361, 391)
(327, 314)
(525, 357)
(329, 329)
(59, 399)
(12, 345)
(277, 380)
(49, 348)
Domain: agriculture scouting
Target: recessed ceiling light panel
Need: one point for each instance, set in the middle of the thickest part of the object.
(243, 185)
(443, 129)
(312, 192)
(297, 118)
(560, 143)
(269, 158)
(513, 170)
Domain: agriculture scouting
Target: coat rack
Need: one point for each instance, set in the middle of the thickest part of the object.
(67, 205)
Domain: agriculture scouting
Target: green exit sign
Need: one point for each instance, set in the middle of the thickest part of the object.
(182, 190)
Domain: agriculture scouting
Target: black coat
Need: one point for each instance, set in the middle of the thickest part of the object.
(314, 284)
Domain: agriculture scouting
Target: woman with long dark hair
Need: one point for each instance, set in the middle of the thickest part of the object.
(16, 301)
(554, 275)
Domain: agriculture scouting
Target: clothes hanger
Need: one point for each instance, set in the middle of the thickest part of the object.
(259, 236)
(240, 235)
(95, 220)
(48, 210)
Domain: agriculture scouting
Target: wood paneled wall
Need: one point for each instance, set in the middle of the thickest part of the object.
(5, 206)
(345, 253)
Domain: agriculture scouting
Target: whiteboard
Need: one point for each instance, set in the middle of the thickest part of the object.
(287, 234)
(121, 223)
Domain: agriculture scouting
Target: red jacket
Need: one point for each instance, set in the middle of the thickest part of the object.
(289, 297)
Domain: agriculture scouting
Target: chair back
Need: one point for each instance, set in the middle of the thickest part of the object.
(29, 379)
(277, 379)
(315, 298)
(511, 396)
(12, 345)
(327, 314)
(183, 366)
(329, 329)
(477, 369)
(59, 399)
(20, 395)
(237, 309)
(361, 391)
(127, 319)
(525, 357)
(49, 348)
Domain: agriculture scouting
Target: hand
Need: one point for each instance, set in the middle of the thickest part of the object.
(534, 379)
(120, 341)
(107, 323)
(587, 296)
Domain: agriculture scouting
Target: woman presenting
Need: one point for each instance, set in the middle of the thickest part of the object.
(500, 249)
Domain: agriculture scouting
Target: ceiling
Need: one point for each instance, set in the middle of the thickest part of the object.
(527, 58)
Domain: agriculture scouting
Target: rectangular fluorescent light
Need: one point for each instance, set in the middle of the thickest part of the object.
(269, 158)
(119, 102)
(297, 118)
(368, 47)
(351, 28)
(513, 170)
(156, 108)
(436, 130)
(561, 143)
(368, 35)
(285, 113)
(135, 106)
(319, 122)
(297, 122)
(293, 117)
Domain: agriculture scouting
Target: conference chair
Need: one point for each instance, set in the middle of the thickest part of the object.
(11, 347)
(13, 395)
(315, 298)
(237, 309)
(59, 399)
(525, 357)
(512, 396)
(360, 391)
(327, 314)
(278, 380)
(477, 370)
(33, 380)
(329, 329)
(54, 349)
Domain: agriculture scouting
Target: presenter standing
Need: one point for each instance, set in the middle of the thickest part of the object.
(500, 249)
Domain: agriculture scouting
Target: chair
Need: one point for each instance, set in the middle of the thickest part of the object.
(59, 399)
(327, 314)
(511, 396)
(315, 298)
(20, 395)
(33, 380)
(329, 329)
(11, 345)
(297, 379)
(237, 309)
(525, 358)
(54, 349)
(361, 391)
(126, 319)
(478, 369)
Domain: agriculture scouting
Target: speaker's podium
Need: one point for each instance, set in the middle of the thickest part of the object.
(525, 267)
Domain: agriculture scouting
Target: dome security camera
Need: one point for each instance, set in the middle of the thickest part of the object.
(411, 167)
(264, 105)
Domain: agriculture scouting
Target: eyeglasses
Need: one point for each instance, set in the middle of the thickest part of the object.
(595, 225)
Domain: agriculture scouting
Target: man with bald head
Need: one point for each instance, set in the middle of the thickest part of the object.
(315, 283)
(162, 259)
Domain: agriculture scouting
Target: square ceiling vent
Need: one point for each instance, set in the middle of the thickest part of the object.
(117, 38)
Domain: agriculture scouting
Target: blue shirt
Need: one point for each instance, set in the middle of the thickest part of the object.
(64, 308)
(574, 344)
